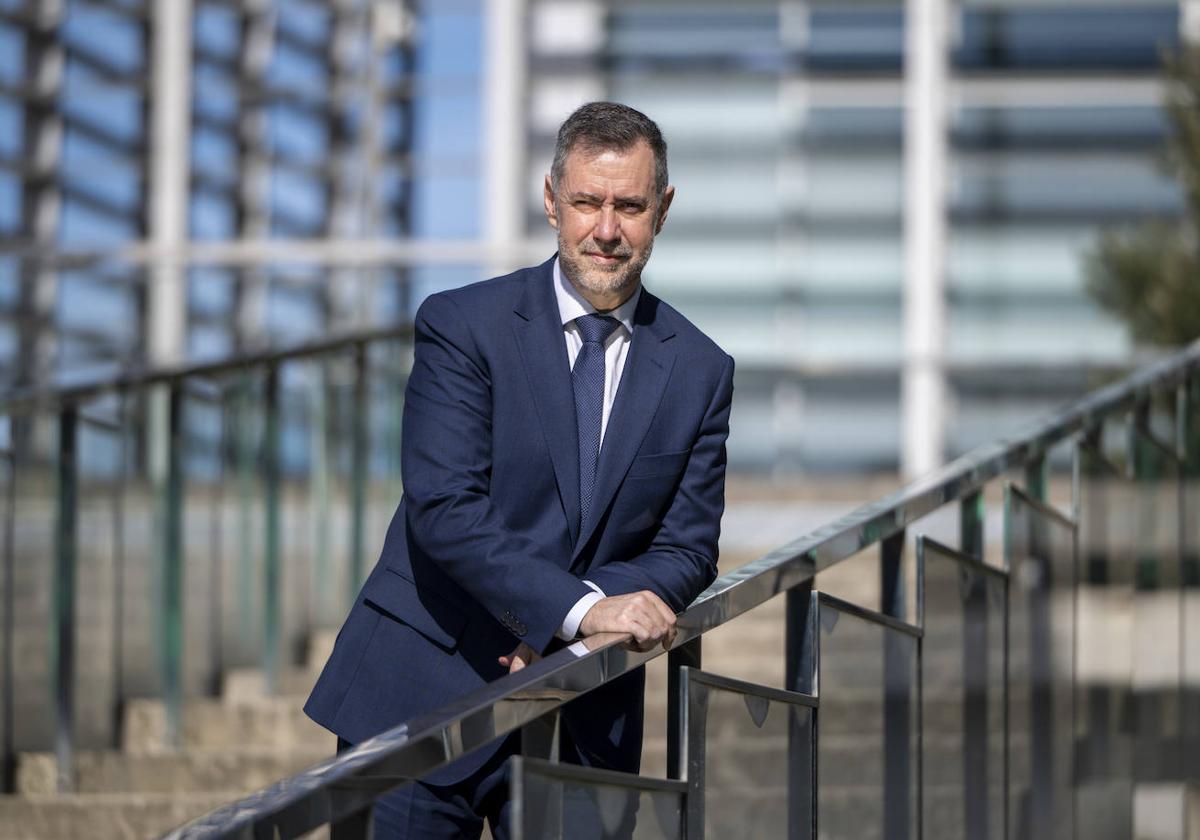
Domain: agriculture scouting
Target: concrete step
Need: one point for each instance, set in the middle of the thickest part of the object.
(102, 816)
(188, 772)
(269, 723)
(241, 686)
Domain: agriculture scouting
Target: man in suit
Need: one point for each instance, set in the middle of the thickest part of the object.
(564, 470)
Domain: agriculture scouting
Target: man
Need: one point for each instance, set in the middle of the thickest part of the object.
(564, 470)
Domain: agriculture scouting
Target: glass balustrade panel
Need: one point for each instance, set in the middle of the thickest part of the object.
(757, 761)
(962, 695)
(868, 739)
(1040, 552)
(568, 803)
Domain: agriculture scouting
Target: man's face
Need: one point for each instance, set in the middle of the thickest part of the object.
(606, 213)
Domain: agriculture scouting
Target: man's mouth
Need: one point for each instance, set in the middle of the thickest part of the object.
(606, 259)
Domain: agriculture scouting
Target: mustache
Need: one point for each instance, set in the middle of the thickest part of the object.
(590, 247)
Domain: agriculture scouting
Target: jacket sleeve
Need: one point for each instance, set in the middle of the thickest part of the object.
(682, 557)
(446, 469)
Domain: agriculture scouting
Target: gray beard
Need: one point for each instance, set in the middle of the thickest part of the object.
(620, 278)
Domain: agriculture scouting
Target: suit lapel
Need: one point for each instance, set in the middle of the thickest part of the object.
(643, 381)
(539, 335)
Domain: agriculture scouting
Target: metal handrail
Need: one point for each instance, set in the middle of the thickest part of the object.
(338, 788)
(55, 396)
(66, 404)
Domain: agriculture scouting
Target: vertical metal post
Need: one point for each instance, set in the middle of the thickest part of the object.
(975, 673)
(891, 576)
(1042, 722)
(685, 656)
(802, 754)
(358, 470)
(63, 628)
(1188, 431)
(8, 753)
(319, 490)
(170, 633)
(897, 708)
(1156, 571)
(272, 635)
(216, 558)
(970, 520)
(118, 513)
(1038, 817)
(244, 465)
(1035, 478)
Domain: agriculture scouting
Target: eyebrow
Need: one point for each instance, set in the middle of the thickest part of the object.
(641, 201)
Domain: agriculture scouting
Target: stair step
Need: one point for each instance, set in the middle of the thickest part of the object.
(240, 686)
(196, 771)
(102, 816)
(276, 723)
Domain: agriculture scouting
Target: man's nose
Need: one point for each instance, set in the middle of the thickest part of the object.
(608, 227)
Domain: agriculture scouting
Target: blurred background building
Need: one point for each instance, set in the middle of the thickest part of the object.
(883, 213)
(185, 180)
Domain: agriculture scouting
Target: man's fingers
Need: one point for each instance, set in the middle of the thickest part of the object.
(643, 615)
(519, 658)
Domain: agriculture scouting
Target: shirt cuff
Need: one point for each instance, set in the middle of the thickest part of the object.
(570, 625)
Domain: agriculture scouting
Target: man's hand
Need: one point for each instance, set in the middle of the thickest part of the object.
(519, 658)
(643, 615)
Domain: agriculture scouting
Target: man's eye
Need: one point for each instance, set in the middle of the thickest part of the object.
(586, 206)
(631, 209)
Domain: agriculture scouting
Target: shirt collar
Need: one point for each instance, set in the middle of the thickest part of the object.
(571, 304)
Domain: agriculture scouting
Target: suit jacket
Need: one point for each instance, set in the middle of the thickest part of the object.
(487, 547)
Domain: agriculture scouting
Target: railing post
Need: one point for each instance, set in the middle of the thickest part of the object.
(358, 471)
(897, 708)
(798, 665)
(319, 492)
(1157, 569)
(891, 575)
(685, 656)
(970, 521)
(217, 549)
(975, 674)
(8, 754)
(272, 635)
(1035, 478)
(118, 524)
(244, 467)
(1188, 432)
(170, 616)
(63, 635)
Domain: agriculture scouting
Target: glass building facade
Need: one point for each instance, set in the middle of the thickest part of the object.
(376, 122)
(786, 125)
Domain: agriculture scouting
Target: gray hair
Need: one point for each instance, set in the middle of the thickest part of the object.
(609, 126)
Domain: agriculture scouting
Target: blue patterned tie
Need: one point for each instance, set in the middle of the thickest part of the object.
(587, 381)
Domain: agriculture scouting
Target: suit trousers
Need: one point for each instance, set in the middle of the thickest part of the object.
(418, 810)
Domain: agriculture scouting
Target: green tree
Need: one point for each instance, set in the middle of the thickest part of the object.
(1149, 275)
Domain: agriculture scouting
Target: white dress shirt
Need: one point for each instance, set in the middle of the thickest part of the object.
(571, 305)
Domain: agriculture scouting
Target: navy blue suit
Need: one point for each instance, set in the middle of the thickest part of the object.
(487, 547)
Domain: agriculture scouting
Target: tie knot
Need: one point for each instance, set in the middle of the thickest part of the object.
(597, 328)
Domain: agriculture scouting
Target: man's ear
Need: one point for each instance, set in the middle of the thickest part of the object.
(548, 199)
(664, 204)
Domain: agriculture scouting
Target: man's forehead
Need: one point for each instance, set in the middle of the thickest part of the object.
(638, 155)
(630, 169)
